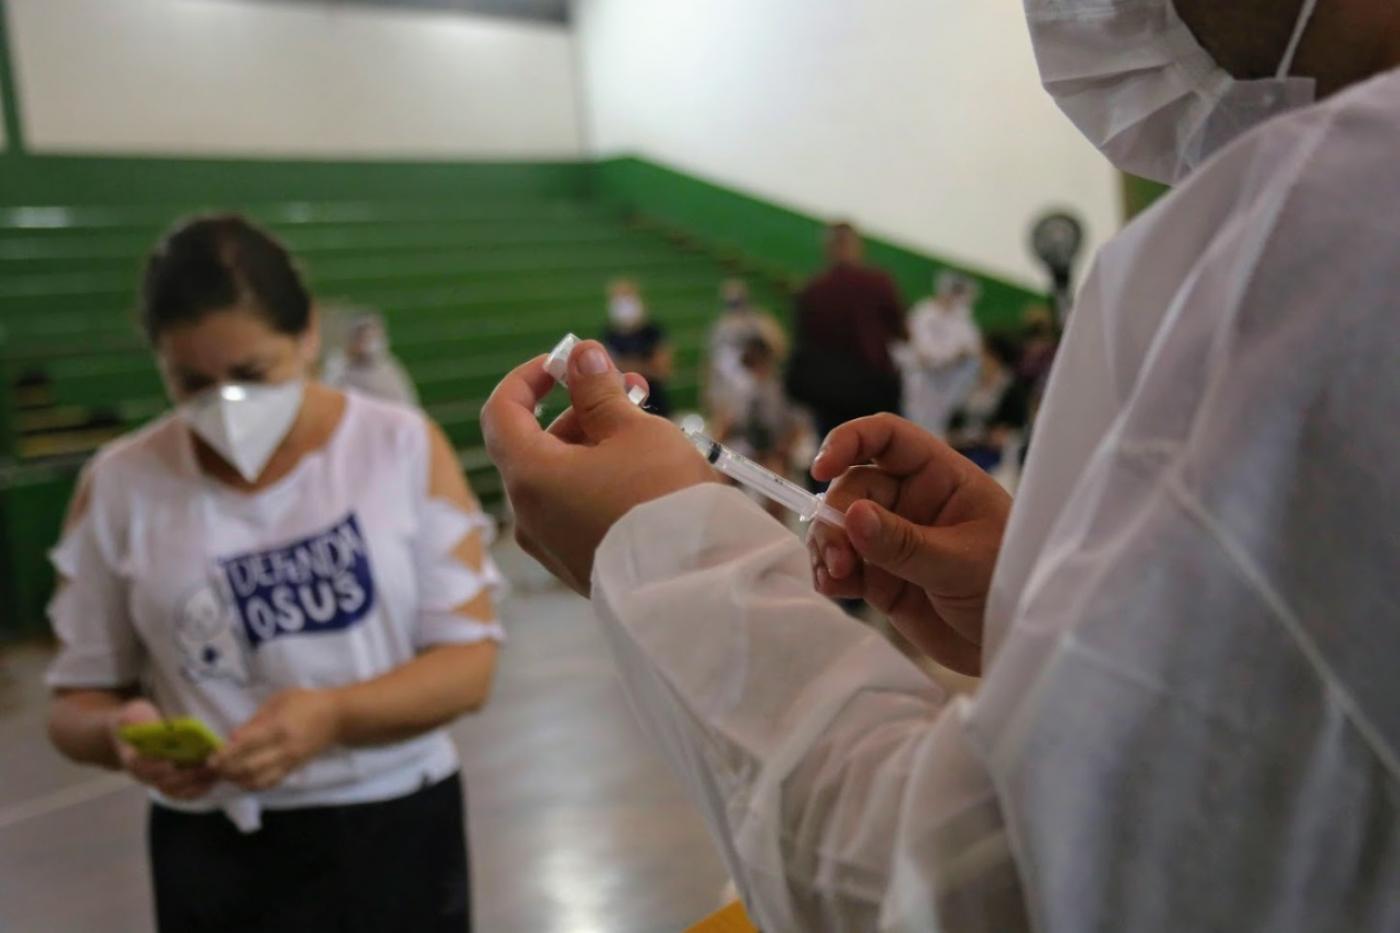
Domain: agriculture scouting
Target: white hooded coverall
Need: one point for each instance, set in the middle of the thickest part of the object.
(1190, 716)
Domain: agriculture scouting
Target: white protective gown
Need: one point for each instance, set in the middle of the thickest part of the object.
(1190, 718)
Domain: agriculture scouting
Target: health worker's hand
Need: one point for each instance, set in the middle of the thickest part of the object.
(178, 782)
(289, 730)
(923, 529)
(601, 457)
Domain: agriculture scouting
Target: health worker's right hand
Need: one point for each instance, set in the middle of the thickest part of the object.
(178, 782)
(569, 484)
(923, 528)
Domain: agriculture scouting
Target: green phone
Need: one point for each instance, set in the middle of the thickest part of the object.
(185, 740)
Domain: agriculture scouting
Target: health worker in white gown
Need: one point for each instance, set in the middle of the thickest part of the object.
(1187, 625)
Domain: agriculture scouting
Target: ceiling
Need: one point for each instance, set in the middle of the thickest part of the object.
(549, 11)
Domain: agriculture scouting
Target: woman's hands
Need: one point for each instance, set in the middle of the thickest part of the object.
(568, 485)
(178, 782)
(923, 529)
(295, 726)
(290, 729)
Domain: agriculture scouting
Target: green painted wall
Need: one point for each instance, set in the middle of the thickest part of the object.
(784, 243)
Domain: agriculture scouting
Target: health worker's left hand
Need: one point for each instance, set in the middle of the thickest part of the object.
(569, 484)
(290, 729)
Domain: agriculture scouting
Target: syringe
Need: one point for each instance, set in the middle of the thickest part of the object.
(765, 482)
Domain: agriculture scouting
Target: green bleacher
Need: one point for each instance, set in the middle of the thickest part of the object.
(470, 280)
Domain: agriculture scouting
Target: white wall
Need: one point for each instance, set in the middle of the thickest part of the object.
(923, 120)
(234, 77)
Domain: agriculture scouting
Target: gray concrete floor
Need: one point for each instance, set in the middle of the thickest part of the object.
(576, 825)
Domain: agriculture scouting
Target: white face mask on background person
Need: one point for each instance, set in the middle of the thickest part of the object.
(625, 311)
(245, 423)
(376, 346)
(1137, 83)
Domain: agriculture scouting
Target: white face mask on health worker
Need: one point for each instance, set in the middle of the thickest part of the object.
(625, 311)
(245, 423)
(1137, 83)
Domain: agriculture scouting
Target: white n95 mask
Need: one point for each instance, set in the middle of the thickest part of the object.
(243, 422)
(1133, 78)
(625, 311)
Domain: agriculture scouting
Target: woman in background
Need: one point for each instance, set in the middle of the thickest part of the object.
(638, 344)
(305, 572)
(367, 365)
(993, 413)
(764, 426)
(727, 384)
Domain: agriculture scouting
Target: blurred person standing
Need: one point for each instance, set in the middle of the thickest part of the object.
(726, 379)
(939, 364)
(638, 344)
(366, 364)
(847, 318)
(304, 571)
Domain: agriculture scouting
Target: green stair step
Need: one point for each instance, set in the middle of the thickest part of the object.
(341, 274)
(16, 302)
(42, 220)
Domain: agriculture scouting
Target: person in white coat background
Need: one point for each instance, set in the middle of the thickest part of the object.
(1187, 625)
(939, 364)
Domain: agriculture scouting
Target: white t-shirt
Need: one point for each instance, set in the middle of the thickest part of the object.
(215, 599)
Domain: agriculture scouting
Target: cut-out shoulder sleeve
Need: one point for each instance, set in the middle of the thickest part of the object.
(453, 572)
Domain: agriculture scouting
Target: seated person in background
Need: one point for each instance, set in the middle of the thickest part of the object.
(1037, 352)
(305, 571)
(940, 362)
(638, 344)
(366, 364)
(738, 323)
(996, 407)
(766, 427)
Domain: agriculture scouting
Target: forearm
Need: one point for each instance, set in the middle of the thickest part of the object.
(750, 682)
(427, 692)
(712, 591)
(80, 725)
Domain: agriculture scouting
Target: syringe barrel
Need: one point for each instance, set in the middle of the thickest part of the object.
(765, 482)
(768, 483)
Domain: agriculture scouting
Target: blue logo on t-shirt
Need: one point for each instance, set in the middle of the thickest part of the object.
(318, 584)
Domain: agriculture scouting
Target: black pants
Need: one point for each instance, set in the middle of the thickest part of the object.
(395, 865)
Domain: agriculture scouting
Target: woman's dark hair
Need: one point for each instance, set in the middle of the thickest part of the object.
(215, 263)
